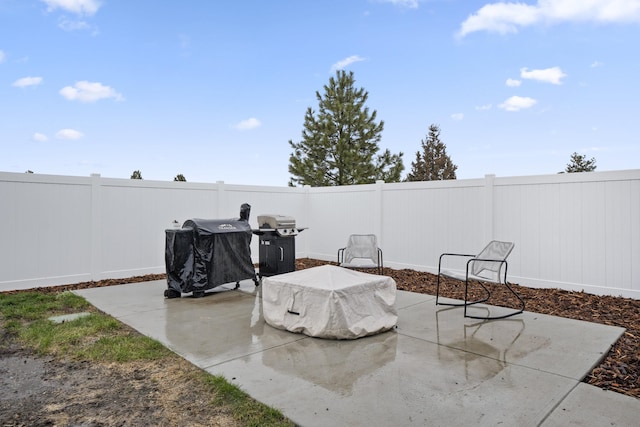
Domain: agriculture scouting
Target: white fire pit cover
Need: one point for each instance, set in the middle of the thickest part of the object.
(330, 302)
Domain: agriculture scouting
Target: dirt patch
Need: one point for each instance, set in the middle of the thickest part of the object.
(44, 391)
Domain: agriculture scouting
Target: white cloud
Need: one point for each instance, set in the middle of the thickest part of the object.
(71, 25)
(552, 75)
(506, 18)
(79, 7)
(457, 116)
(501, 18)
(345, 63)
(513, 83)
(517, 103)
(412, 4)
(27, 81)
(69, 134)
(2, 56)
(596, 64)
(85, 91)
(484, 107)
(39, 137)
(248, 124)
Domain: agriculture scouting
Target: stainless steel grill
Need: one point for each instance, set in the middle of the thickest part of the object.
(280, 224)
(277, 244)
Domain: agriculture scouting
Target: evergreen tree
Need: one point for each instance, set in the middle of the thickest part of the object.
(180, 177)
(340, 142)
(136, 175)
(579, 163)
(432, 163)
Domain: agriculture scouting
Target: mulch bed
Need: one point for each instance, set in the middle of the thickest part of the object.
(619, 370)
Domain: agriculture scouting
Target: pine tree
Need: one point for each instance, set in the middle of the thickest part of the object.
(180, 177)
(579, 163)
(340, 142)
(136, 175)
(432, 163)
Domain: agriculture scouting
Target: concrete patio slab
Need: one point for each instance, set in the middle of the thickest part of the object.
(392, 379)
(214, 329)
(547, 343)
(592, 406)
(435, 368)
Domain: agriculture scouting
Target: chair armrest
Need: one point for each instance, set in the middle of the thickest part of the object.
(465, 255)
(487, 259)
(451, 254)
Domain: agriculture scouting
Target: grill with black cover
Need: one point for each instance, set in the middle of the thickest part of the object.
(206, 253)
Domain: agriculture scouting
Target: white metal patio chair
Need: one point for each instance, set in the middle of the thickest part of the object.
(362, 251)
(489, 266)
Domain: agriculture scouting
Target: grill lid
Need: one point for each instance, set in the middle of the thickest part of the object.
(280, 225)
(276, 221)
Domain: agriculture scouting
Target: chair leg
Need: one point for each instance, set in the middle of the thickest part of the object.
(522, 305)
(465, 303)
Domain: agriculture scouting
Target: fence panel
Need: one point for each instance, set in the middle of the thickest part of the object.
(573, 231)
(45, 238)
(423, 220)
(335, 213)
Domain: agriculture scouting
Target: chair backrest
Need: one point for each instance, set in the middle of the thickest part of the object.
(361, 246)
(495, 250)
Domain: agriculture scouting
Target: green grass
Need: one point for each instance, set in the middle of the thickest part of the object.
(101, 338)
(28, 306)
(247, 411)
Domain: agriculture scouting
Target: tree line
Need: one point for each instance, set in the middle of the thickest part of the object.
(339, 144)
(138, 175)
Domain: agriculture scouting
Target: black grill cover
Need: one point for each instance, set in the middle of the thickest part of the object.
(206, 253)
(179, 259)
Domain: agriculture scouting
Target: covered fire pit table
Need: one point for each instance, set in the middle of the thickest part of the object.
(330, 302)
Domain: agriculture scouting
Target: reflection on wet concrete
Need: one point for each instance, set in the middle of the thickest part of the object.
(487, 347)
(335, 365)
(219, 326)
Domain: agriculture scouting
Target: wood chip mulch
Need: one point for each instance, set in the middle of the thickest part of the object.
(619, 370)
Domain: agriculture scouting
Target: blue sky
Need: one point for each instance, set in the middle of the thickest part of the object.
(214, 90)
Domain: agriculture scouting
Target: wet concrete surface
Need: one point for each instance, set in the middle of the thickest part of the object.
(434, 368)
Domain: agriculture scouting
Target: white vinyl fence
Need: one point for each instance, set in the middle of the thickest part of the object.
(572, 231)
